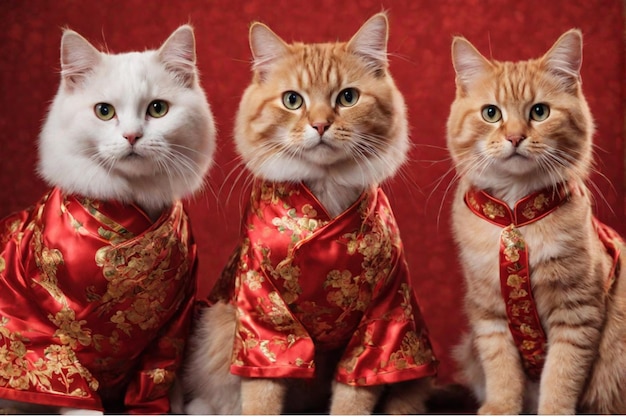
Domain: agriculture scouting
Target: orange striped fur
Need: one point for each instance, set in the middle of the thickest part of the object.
(585, 368)
(365, 144)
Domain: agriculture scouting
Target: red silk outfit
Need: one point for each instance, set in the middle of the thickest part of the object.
(95, 305)
(303, 282)
(515, 275)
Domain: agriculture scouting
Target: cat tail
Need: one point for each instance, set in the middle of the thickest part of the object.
(208, 385)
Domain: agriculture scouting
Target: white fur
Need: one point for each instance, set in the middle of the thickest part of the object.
(82, 154)
(207, 378)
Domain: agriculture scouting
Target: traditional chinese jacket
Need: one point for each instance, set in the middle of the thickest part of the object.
(304, 283)
(95, 305)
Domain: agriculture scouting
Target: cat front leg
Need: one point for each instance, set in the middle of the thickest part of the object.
(348, 399)
(504, 376)
(571, 352)
(262, 396)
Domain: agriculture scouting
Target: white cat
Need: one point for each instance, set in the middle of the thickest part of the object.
(159, 141)
(127, 133)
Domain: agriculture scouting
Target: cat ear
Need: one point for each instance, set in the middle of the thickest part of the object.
(78, 58)
(370, 42)
(469, 64)
(266, 46)
(565, 57)
(178, 53)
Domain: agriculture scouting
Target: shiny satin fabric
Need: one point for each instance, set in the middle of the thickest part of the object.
(304, 283)
(96, 304)
(515, 274)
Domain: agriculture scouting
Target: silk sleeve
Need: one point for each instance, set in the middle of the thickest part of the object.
(391, 343)
(148, 392)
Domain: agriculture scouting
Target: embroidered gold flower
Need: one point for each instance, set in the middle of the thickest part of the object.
(161, 376)
(513, 242)
(52, 373)
(138, 272)
(297, 227)
(264, 346)
(514, 280)
(407, 306)
(541, 201)
(309, 211)
(520, 308)
(303, 364)
(347, 290)
(70, 331)
(518, 293)
(535, 206)
(493, 210)
(288, 273)
(253, 280)
(529, 331)
(274, 311)
(411, 351)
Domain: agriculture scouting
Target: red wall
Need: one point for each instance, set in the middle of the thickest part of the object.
(421, 32)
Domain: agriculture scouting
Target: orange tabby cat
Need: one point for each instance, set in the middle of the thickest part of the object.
(546, 291)
(321, 288)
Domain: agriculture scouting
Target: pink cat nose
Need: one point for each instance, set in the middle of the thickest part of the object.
(515, 139)
(321, 127)
(132, 138)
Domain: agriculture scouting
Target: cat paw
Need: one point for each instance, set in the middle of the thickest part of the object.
(498, 409)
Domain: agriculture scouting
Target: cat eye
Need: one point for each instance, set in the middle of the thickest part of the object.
(158, 108)
(292, 100)
(104, 111)
(491, 113)
(348, 97)
(539, 112)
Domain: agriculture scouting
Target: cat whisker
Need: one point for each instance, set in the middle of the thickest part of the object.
(178, 166)
(363, 157)
(437, 184)
(192, 166)
(455, 178)
(601, 194)
(242, 172)
(190, 149)
(106, 162)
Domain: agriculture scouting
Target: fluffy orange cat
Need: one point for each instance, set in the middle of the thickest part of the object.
(546, 291)
(316, 312)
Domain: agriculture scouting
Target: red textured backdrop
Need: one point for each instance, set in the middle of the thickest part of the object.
(420, 36)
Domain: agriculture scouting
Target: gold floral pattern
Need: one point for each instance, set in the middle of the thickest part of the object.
(53, 373)
(523, 319)
(105, 296)
(305, 282)
(492, 210)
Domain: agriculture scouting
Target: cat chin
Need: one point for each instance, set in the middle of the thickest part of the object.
(152, 195)
(356, 177)
(510, 188)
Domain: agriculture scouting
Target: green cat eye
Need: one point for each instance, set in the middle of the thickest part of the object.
(292, 100)
(491, 113)
(104, 111)
(348, 97)
(539, 112)
(158, 108)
